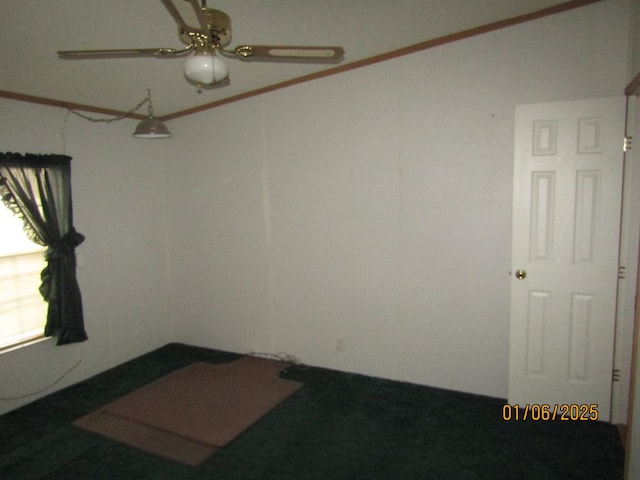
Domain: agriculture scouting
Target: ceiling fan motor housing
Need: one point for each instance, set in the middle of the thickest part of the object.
(218, 23)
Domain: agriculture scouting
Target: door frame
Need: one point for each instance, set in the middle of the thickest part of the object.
(628, 283)
(632, 436)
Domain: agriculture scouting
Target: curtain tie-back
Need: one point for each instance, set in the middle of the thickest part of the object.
(65, 246)
(57, 250)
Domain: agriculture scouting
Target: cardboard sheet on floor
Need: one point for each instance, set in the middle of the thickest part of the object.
(189, 414)
(144, 437)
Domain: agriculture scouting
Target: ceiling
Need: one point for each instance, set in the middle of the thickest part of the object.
(33, 30)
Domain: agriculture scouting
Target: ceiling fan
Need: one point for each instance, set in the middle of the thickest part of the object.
(205, 40)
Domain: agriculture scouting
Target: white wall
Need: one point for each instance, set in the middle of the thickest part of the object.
(118, 196)
(374, 206)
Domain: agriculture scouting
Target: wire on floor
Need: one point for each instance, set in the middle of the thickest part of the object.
(279, 357)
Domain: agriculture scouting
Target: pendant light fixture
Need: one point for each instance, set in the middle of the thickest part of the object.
(151, 127)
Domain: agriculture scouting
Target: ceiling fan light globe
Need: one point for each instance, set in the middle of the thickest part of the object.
(205, 69)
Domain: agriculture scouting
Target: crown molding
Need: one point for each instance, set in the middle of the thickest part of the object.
(634, 87)
(21, 97)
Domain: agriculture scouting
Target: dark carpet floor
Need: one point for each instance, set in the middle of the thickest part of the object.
(337, 426)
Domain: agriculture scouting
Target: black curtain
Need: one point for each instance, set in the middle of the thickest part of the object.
(37, 188)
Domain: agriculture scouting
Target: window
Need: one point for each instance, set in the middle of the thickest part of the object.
(39, 187)
(23, 311)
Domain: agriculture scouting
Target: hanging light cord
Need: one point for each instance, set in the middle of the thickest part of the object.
(150, 104)
(119, 117)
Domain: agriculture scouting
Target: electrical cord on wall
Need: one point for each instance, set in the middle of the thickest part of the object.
(62, 133)
(102, 120)
(58, 380)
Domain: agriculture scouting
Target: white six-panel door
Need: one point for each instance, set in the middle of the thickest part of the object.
(566, 220)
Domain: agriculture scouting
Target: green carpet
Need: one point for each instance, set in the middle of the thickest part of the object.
(338, 426)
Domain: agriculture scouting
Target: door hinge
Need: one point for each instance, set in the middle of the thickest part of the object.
(622, 272)
(626, 144)
(616, 375)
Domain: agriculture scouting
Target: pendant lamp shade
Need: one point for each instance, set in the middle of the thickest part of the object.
(151, 127)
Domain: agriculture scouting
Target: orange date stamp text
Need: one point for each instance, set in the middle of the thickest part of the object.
(545, 412)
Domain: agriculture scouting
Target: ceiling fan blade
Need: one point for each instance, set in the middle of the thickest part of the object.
(184, 27)
(290, 53)
(200, 16)
(119, 53)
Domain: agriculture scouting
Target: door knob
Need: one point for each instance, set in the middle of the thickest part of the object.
(521, 274)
